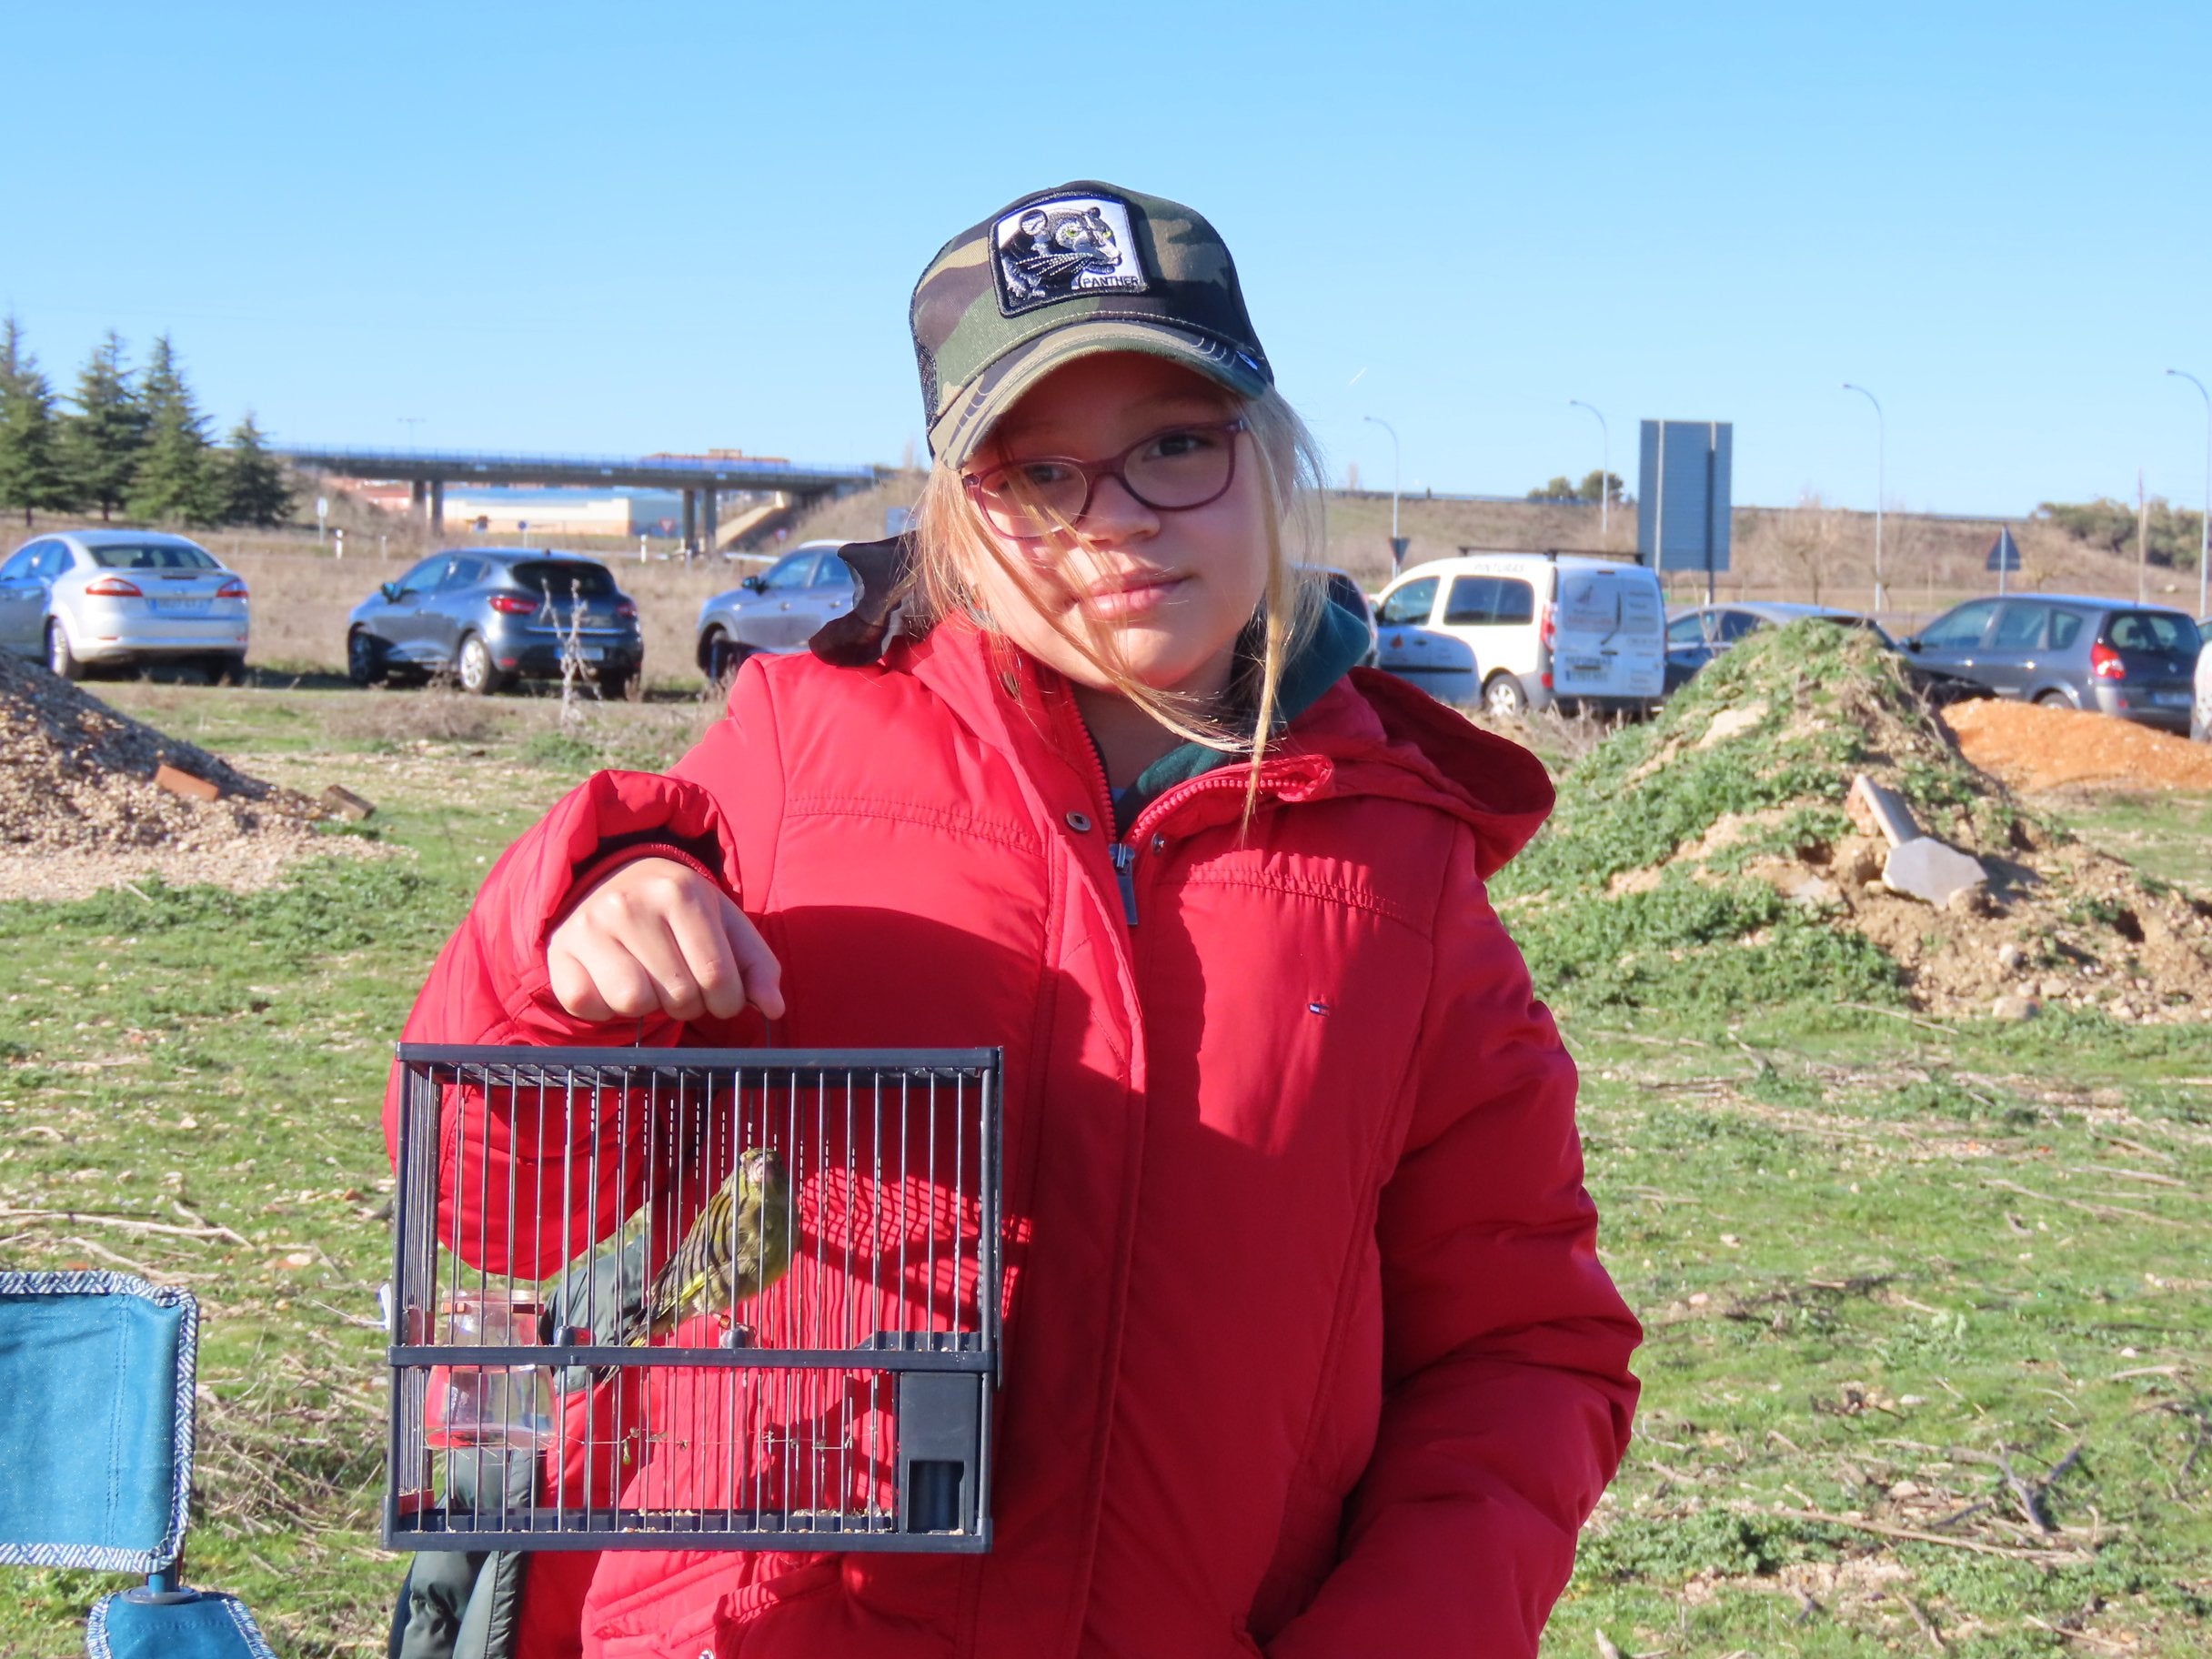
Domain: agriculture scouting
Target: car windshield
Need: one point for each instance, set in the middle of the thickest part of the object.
(153, 556)
(558, 575)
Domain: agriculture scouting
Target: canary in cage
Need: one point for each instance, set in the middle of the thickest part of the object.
(738, 1247)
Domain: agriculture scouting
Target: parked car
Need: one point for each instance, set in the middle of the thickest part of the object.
(490, 616)
(2200, 712)
(1696, 635)
(1525, 630)
(79, 599)
(2069, 651)
(775, 610)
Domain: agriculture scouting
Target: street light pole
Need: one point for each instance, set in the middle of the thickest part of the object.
(1604, 462)
(1393, 472)
(1880, 464)
(2203, 526)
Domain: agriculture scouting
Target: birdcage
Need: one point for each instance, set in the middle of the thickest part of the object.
(706, 1299)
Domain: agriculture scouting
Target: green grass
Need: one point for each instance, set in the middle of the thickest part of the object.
(1873, 1257)
(2166, 836)
(1847, 1313)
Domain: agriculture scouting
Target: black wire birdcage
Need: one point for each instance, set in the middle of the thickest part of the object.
(725, 1299)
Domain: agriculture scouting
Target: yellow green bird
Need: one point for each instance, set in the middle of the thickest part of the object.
(738, 1247)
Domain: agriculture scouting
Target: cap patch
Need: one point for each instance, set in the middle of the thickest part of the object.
(1056, 249)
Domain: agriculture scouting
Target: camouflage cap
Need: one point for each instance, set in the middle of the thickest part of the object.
(1061, 273)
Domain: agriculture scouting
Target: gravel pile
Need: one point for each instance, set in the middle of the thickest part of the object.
(79, 809)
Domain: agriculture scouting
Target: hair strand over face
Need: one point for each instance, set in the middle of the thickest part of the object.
(954, 542)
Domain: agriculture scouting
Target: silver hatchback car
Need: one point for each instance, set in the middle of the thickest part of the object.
(777, 610)
(77, 599)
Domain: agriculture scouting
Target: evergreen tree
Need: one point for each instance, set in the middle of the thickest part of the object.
(30, 474)
(100, 442)
(254, 487)
(176, 478)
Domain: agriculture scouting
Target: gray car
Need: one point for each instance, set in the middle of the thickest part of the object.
(1695, 635)
(777, 610)
(77, 599)
(491, 616)
(2069, 651)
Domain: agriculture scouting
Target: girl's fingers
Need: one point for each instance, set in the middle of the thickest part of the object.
(597, 980)
(763, 973)
(656, 937)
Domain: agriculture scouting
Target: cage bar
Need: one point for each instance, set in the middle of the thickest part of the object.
(827, 1377)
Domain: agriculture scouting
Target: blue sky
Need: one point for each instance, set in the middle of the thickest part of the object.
(660, 227)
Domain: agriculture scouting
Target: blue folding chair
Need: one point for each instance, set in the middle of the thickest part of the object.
(97, 1374)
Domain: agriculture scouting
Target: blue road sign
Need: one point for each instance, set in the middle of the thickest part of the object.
(1682, 500)
(2004, 552)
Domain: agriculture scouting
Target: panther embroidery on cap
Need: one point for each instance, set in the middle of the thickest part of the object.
(1057, 249)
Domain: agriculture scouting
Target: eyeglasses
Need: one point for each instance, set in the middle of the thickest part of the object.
(1170, 472)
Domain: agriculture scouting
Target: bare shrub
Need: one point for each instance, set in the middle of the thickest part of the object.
(1557, 738)
(1807, 541)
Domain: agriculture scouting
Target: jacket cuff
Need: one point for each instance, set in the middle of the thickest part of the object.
(615, 855)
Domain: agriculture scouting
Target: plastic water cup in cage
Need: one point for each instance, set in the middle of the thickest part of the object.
(503, 1405)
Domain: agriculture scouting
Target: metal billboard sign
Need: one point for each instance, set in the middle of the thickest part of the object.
(1683, 495)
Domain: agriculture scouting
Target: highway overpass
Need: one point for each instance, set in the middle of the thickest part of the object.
(701, 479)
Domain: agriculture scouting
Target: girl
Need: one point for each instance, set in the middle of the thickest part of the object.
(1308, 1349)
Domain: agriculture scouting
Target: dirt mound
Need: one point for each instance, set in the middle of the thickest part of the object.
(2033, 747)
(1706, 862)
(79, 809)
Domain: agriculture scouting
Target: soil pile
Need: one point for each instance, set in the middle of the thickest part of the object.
(2034, 749)
(1706, 863)
(79, 809)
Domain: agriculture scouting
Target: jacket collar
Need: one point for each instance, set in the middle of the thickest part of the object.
(1360, 733)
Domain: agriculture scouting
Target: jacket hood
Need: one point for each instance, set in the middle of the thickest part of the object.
(1494, 783)
(1369, 733)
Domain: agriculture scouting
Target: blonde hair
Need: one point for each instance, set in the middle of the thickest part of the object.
(952, 541)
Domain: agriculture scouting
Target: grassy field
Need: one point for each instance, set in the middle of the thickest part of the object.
(1929, 1342)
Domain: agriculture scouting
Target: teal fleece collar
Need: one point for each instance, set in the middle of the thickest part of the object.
(1340, 639)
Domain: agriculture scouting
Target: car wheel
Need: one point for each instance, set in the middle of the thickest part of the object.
(1503, 698)
(2053, 699)
(60, 658)
(724, 654)
(472, 665)
(226, 668)
(365, 663)
(618, 688)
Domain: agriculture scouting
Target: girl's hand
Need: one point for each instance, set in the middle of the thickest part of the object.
(656, 936)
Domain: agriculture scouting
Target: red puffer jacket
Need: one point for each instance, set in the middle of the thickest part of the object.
(1308, 1347)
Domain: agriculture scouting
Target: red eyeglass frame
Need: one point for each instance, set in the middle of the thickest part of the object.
(1114, 467)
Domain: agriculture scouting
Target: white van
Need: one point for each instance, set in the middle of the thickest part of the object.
(1525, 630)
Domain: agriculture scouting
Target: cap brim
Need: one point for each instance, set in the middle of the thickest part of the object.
(962, 428)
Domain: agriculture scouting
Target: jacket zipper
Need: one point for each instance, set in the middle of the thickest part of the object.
(1121, 854)
(1124, 856)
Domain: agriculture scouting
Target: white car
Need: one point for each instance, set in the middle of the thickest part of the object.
(77, 599)
(1527, 630)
